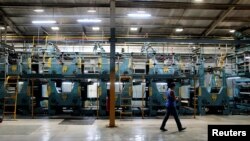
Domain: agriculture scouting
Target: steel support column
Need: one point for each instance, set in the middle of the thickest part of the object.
(112, 65)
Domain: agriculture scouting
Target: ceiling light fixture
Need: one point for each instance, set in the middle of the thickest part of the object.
(198, 0)
(133, 28)
(89, 20)
(91, 11)
(179, 29)
(141, 11)
(43, 22)
(139, 15)
(95, 28)
(2, 28)
(38, 10)
(56, 28)
(232, 31)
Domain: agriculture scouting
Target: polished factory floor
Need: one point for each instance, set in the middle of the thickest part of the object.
(91, 129)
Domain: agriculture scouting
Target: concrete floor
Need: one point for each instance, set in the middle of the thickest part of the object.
(126, 130)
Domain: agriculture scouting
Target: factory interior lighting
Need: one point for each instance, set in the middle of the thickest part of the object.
(55, 28)
(198, 1)
(133, 28)
(139, 14)
(38, 10)
(179, 29)
(95, 28)
(91, 11)
(43, 22)
(232, 31)
(89, 20)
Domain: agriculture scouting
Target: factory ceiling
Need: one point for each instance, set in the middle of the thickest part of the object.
(91, 18)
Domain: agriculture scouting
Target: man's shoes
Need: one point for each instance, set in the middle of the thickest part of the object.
(182, 129)
(163, 129)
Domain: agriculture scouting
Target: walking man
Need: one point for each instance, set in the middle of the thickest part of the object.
(171, 109)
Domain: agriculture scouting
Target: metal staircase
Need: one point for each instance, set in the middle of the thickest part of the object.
(126, 96)
(10, 97)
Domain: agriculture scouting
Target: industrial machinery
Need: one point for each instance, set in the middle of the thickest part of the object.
(158, 87)
(2, 78)
(186, 96)
(23, 98)
(65, 82)
(103, 98)
(71, 63)
(121, 87)
(213, 96)
(157, 97)
(139, 98)
(242, 96)
(64, 96)
(90, 97)
(10, 71)
(1, 95)
(13, 64)
(124, 95)
(123, 70)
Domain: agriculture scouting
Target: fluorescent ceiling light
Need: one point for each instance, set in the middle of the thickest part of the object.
(247, 57)
(139, 15)
(2, 28)
(232, 31)
(89, 20)
(55, 28)
(91, 11)
(133, 28)
(39, 10)
(43, 22)
(95, 28)
(141, 11)
(179, 29)
(198, 0)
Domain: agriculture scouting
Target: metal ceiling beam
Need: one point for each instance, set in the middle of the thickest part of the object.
(226, 19)
(51, 5)
(131, 4)
(243, 29)
(44, 30)
(222, 16)
(119, 33)
(130, 25)
(195, 41)
(178, 5)
(207, 41)
(10, 23)
(118, 26)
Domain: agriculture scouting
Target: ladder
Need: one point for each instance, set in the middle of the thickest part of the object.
(10, 97)
(126, 96)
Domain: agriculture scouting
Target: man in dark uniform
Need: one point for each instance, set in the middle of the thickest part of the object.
(171, 109)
